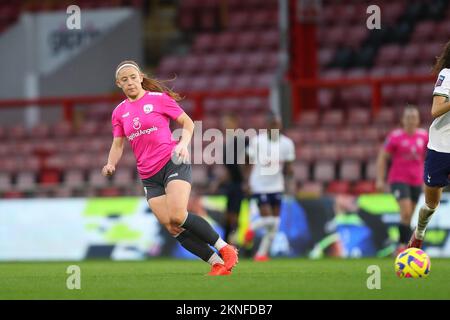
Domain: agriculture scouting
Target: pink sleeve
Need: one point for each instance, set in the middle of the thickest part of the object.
(389, 144)
(171, 107)
(117, 128)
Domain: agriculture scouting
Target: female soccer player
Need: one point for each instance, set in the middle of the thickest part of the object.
(272, 155)
(143, 118)
(437, 161)
(406, 148)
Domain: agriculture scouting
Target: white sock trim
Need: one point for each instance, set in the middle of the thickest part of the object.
(215, 258)
(220, 244)
(426, 207)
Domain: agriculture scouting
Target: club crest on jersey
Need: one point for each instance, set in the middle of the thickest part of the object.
(136, 124)
(440, 80)
(148, 108)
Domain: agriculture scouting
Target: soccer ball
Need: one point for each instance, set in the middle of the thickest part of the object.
(412, 263)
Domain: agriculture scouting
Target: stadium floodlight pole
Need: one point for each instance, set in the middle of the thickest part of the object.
(31, 84)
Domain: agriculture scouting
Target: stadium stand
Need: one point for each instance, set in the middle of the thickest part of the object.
(238, 47)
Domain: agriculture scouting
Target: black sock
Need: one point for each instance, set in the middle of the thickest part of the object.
(194, 245)
(405, 233)
(201, 228)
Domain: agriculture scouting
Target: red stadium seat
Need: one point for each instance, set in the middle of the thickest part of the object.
(325, 56)
(123, 178)
(191, 64)
(333, 118)
(235, 61)
(406, 93)
(74, 178)
(350, 170)
(364, 187)
(225, 41)
(392, 11)
(222, 82)
(5, 182)
(311, 188)
(358, 34)
(306, 153)
(109, 192)
(62, 129)
(308, 119)
(249, 40)
(269, 40)
(25, 181)
(204, 43)
(389, 55)
(49, 177)
(424, 32)
(411, 54)
(324, 171)
(96, 179)
(371, 170)
(301, 171)
(343, 135)
(358, 117)
(239, 20)
(338, 187)
(385, 116)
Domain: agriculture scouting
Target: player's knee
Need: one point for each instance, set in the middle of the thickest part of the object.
(172, 229)
(178, 218)
(432, 204)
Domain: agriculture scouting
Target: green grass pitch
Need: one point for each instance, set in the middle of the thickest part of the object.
(186, 280)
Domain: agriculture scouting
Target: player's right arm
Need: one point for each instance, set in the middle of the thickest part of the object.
(115, 153)
(383, 157)
(382, 160)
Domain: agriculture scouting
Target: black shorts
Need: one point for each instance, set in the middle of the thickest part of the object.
(234, 195)
(437, 169)
(155, 186)
(272, 199)
(406, 191)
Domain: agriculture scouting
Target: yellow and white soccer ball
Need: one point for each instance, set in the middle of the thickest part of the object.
(412, 263)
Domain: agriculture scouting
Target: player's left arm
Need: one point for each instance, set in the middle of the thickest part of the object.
(441, 92)
(187, 124)
(441, 105)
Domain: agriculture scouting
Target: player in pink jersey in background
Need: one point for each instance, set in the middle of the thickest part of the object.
(406, 149)
(162, 163)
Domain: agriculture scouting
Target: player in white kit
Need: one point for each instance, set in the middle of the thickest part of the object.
(437, 162)
(271, 155)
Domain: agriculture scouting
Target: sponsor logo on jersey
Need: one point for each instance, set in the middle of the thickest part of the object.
(139, 133)
(155, 93)
(136, 124)
(440, 80)
(125, 115)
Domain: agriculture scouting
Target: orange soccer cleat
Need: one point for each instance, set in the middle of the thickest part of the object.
(230, 256)
(261, 258)
(218, 269)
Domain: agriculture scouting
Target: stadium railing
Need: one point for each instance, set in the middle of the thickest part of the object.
(301, 86)
(68, 103)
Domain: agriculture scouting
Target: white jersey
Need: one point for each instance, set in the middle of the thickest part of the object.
(268, 157)
(439, 134)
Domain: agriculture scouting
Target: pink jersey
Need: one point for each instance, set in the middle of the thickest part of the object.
(407, 156)
(145, 123)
